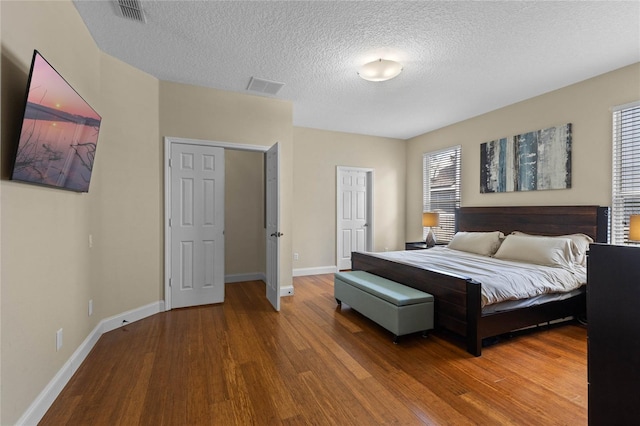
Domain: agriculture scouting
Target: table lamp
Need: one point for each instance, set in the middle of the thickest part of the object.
(431, 219)
(634, 227)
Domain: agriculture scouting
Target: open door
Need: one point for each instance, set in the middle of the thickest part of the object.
(273, 225)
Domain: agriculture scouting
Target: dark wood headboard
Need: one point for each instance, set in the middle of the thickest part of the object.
(541, 220)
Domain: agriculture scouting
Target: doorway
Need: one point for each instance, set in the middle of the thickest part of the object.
(170, 252)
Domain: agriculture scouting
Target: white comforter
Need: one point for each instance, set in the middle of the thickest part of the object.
(501, 279)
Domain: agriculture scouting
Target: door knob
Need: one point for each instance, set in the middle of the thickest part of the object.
(277, 234)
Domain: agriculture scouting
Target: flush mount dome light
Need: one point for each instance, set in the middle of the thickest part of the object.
(380, 70)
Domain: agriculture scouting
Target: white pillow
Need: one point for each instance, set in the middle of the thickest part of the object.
(580, 245)
(484, 243)
(548, 251)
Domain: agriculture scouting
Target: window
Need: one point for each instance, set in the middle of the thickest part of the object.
(626, 170)
(441, 189)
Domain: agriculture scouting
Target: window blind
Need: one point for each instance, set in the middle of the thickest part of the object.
(441, 189)
(626, 170)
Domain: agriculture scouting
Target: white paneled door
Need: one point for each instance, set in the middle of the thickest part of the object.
(197, 225)
(273, 226)
(354, 214)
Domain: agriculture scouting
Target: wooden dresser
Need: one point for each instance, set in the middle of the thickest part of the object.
(613, 315)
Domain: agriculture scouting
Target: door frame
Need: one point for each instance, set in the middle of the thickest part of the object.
(370, 222)
(168, 140)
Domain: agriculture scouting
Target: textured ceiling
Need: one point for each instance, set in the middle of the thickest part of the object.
(461, 59)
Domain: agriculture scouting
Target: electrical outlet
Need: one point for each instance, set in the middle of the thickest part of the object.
(296, 256)
(90, 307)
(90, 241)
(58, 340)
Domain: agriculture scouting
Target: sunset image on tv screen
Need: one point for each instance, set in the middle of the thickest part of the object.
(59, 133)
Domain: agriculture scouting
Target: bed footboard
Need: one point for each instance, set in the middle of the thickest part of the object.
(457, 299)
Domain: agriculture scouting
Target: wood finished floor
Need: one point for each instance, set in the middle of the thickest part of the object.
(241, 363)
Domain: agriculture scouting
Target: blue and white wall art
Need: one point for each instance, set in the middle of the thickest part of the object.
(527, 162)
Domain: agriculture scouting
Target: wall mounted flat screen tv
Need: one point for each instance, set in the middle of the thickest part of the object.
(59, 132)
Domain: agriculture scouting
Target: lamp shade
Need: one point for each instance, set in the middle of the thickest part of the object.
(431, 219)
(634, 227)
(380, 70)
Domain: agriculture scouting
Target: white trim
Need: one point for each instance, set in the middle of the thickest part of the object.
(440, 151)
(45, 399)
(116, 321)
(286, 291)
(238, 278)
(225, 145)
(257, 276)
(168, 140)
(302, 272)
(167, 217)
(625, 106)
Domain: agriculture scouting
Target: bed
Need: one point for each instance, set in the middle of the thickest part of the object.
(458, 299)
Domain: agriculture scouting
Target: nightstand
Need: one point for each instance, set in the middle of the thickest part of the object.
(418, 245)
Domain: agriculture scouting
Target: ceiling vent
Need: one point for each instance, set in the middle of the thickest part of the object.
(259, 85)
(130, 9)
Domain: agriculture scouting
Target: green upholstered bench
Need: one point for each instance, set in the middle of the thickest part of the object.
(396, 307)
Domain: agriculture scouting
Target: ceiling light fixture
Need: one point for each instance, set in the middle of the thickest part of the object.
(380, 70)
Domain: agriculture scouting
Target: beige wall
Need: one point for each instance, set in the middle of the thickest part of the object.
(48, 271)
(244, 213)
(587, 105)
(126, 194)
(45, 259)
(200, 113)
(317, 153)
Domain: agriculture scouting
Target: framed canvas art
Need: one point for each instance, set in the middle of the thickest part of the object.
(530, 161)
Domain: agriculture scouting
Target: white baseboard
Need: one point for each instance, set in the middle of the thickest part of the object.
(256, 276)
(314, 271)
(41, 404)
(238, 278)
(286, 291)
(133, 315)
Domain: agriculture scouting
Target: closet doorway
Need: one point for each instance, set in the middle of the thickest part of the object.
(180, 275)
